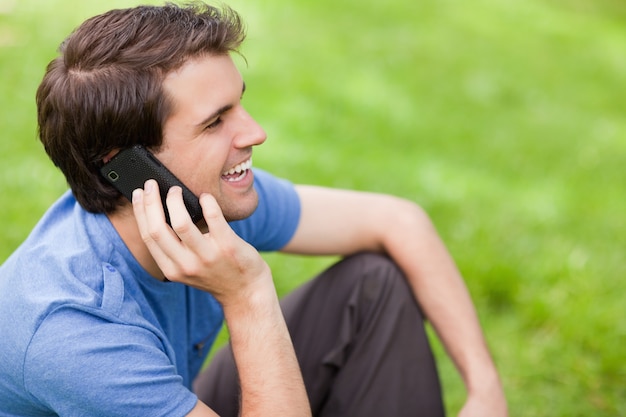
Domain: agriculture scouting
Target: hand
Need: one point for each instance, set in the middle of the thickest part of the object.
(478, 409)
(488, 404)
(218, 261)
(221, 263)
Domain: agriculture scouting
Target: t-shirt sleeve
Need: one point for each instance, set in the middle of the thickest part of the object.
(80, 364)
(274, 222)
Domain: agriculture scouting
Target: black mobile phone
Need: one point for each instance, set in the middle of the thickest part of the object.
(130, 168)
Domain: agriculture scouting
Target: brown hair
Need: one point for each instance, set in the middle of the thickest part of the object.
(104, 90)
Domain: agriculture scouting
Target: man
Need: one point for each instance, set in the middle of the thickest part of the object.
(107, 310)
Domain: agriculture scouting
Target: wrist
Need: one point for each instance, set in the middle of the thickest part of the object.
(484, 383)
(256, 300)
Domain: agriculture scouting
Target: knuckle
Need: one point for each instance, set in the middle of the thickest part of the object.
(147, 238)
(176, 272)
(190, 271)
(154, 235)
(212, 213)
(169, 270)
(181, 227)
(170, 273)
(229, 250)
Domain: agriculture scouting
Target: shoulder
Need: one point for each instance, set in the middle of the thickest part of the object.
(74, 330)
(276, 218)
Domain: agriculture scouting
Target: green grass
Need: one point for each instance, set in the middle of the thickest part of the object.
(503, 119)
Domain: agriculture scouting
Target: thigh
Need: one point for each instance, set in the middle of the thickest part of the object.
(357, 331)
(360, 339)
(309, 313)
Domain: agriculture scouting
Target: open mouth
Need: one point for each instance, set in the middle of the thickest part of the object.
(238, 172)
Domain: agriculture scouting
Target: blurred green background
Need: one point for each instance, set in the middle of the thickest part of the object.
(503, 119)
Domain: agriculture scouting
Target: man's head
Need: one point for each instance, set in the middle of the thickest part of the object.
(105, 91)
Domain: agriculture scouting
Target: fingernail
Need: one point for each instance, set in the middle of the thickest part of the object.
(149, 186)
(137, 195)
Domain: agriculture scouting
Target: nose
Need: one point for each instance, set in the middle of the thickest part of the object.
(250, 132)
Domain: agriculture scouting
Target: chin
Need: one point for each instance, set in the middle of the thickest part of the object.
(240, 210)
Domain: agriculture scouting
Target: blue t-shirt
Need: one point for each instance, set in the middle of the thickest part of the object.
(86, 331)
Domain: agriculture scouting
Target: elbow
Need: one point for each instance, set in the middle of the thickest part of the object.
(408, 215)
(405, 221)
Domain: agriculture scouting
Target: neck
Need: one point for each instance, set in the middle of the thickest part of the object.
(124, 222)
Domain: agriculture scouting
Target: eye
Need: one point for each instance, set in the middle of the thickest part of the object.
(214, 124)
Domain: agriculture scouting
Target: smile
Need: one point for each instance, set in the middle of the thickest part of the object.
(238, 172)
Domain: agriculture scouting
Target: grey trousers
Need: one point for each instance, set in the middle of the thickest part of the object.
(359, 337)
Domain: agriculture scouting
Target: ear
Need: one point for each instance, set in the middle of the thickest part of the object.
(110, 155)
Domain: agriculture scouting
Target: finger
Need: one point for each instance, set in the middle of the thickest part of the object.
(217, 224)
(142, 224)
(153, 204)
(181, 222)
(164, 244)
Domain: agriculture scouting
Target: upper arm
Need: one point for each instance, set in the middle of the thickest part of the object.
(274, 221)
(340, 222)
(77, 360)
(201, 410)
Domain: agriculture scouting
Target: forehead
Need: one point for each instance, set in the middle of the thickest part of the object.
(207, 79)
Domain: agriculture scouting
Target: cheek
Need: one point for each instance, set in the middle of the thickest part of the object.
(200, 166)
(203, 178)
(198, 163)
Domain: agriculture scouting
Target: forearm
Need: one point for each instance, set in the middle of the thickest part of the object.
(270, 378)
(344, 222)
(230, 269)
(441, 292)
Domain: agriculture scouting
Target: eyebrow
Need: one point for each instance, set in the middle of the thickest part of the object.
(219, 111)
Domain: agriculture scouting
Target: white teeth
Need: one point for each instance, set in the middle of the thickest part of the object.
(239, 168)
